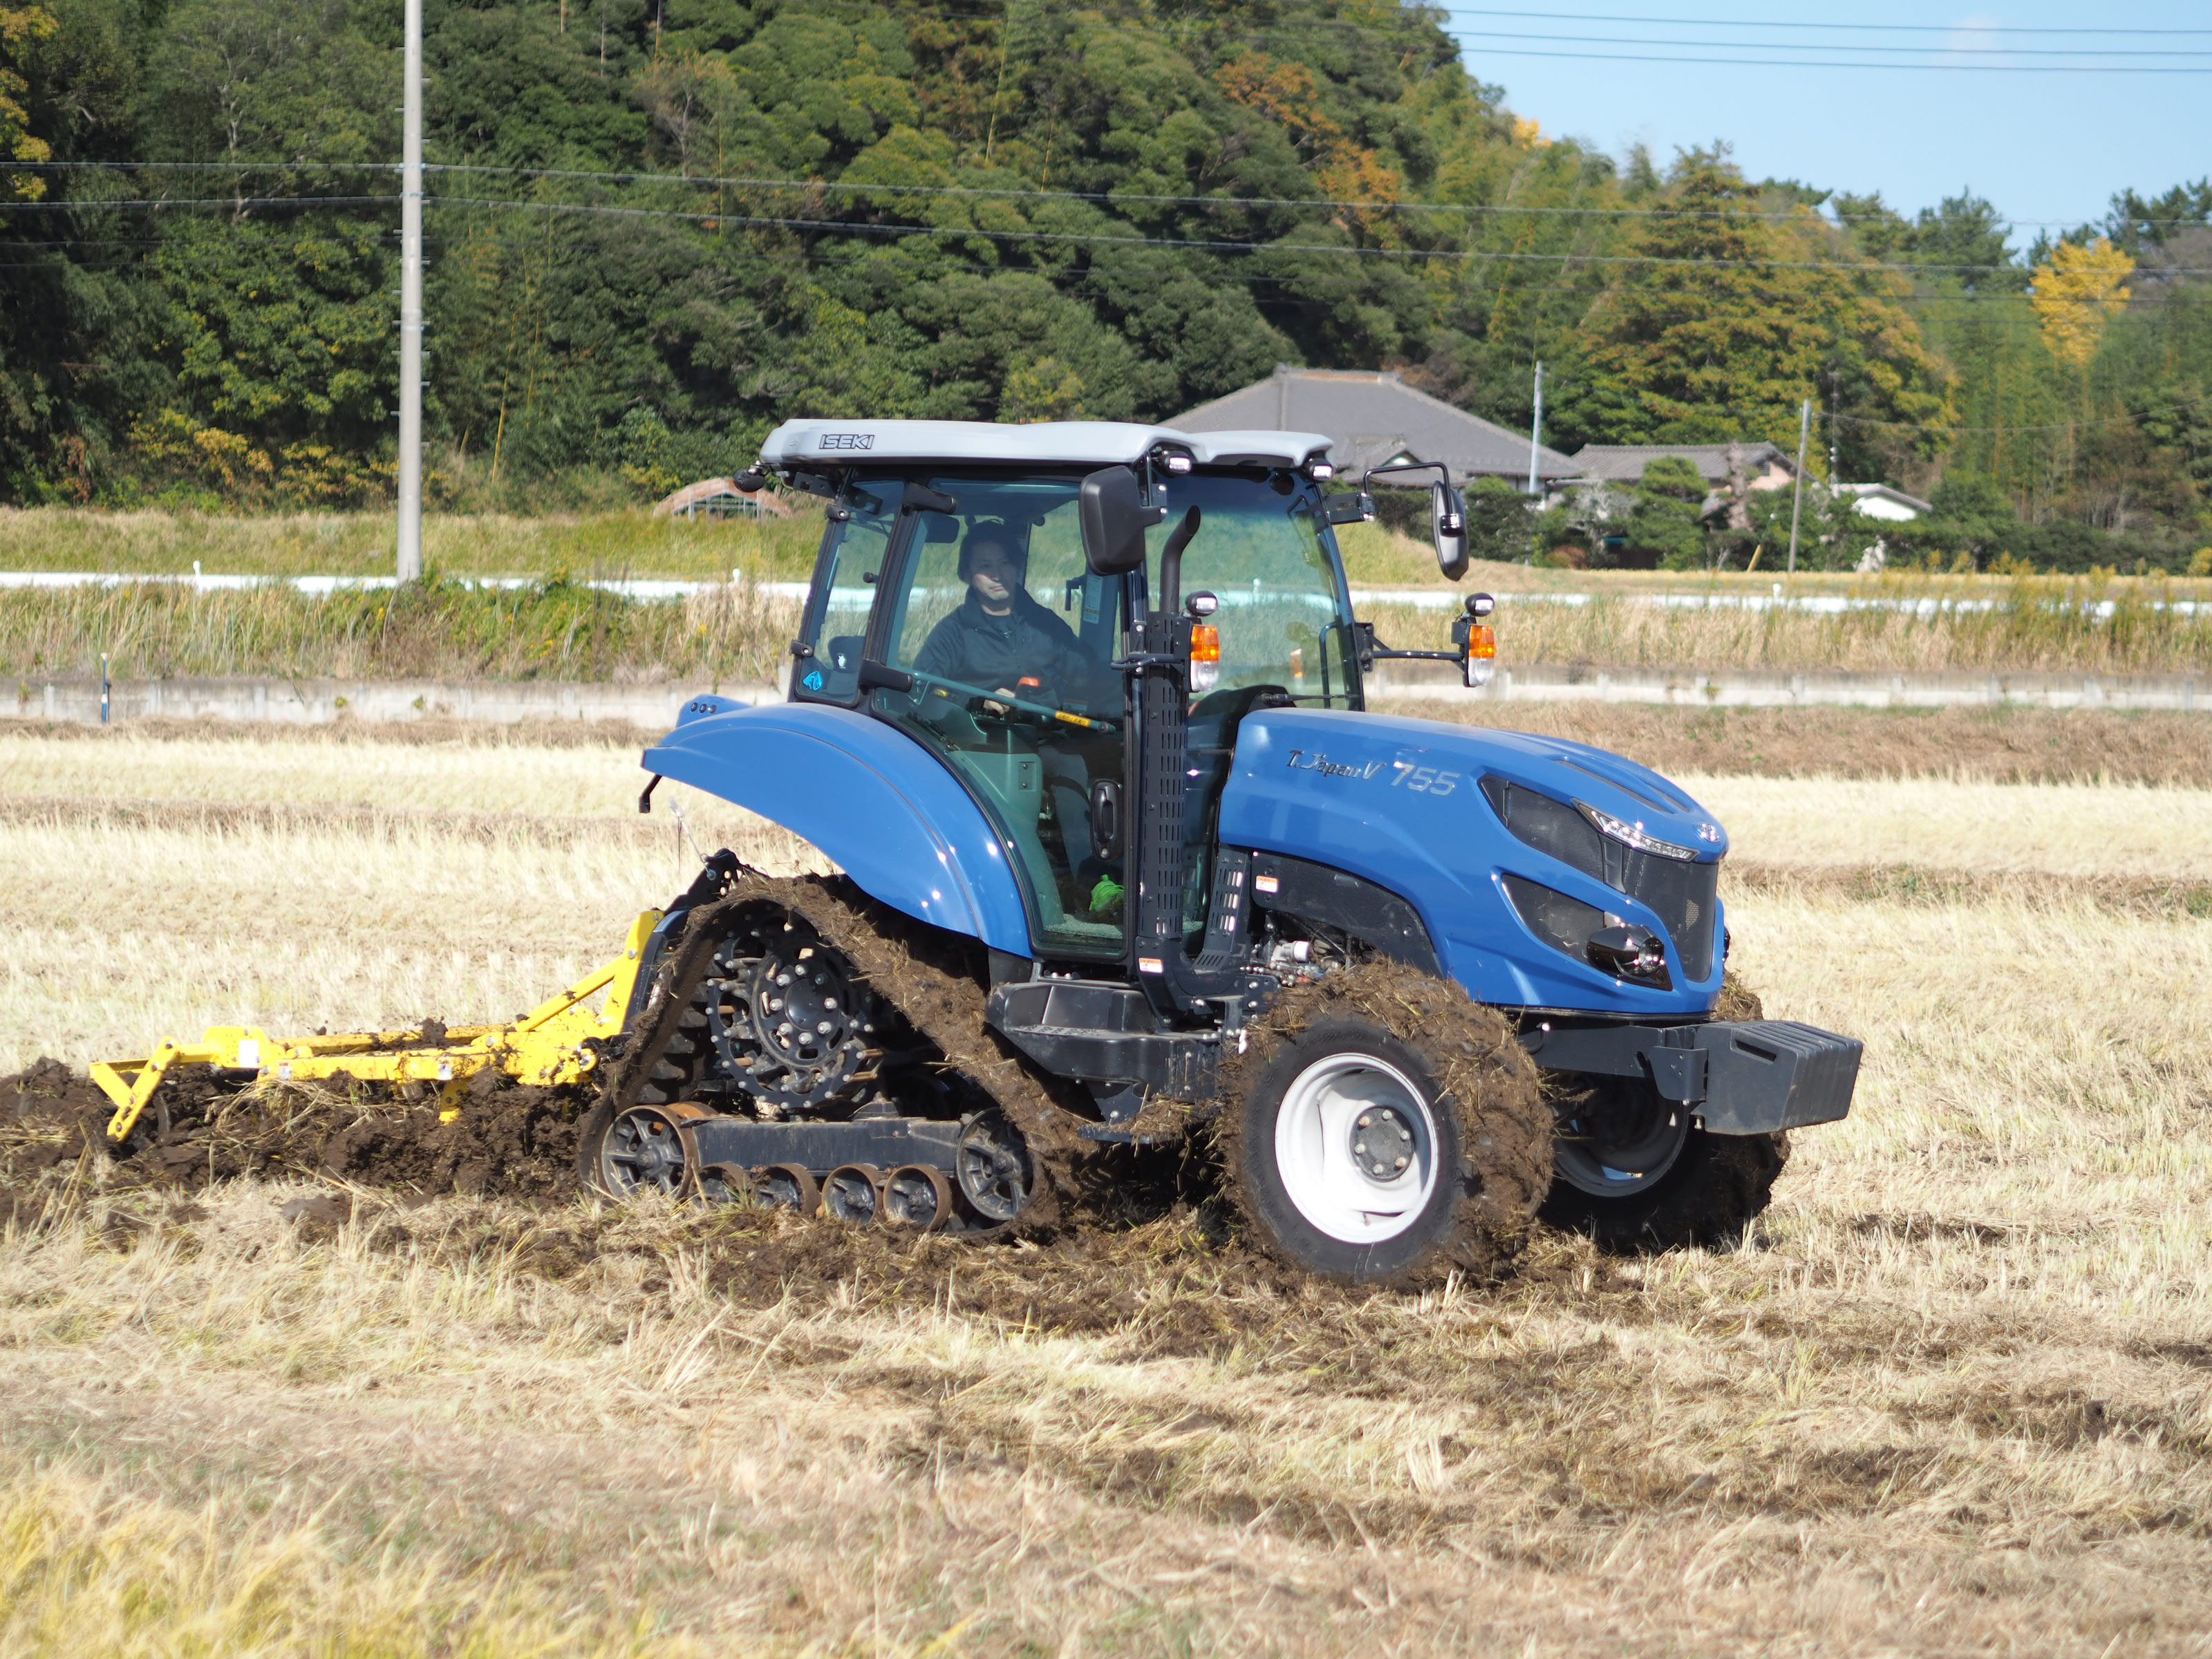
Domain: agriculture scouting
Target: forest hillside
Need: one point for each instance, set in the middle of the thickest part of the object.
(657, 226)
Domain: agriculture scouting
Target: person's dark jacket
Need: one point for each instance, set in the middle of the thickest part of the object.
(993, 652)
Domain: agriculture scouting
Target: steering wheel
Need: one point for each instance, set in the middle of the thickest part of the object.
(1043, 714)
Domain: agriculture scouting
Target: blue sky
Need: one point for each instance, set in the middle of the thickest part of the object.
(2043, 147)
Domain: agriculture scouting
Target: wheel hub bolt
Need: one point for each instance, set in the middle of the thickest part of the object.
(1382, 1143)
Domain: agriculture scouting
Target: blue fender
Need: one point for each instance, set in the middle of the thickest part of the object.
(877, 803)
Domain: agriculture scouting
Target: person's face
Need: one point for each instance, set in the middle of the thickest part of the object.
(992, 573)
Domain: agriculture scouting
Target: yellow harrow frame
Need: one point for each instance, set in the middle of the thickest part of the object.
(546, 1046)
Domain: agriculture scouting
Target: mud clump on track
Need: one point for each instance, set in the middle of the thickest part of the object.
(506, 1141)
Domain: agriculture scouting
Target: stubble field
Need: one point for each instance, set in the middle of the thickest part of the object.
(1952, 1397)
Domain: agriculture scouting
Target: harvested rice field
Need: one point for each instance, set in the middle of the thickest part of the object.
(1954, 1395)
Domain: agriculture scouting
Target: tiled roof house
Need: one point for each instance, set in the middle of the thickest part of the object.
(1371, 416)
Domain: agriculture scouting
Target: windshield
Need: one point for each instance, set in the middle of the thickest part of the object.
(1259, 550)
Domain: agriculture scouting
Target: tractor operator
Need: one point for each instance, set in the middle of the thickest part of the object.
(1001, 639)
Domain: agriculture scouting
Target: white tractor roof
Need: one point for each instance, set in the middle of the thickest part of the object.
(1080, 443)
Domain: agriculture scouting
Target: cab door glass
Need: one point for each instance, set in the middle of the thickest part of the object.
(1259, 551)
(1008, 639)
(855, 550)
(1280, 625)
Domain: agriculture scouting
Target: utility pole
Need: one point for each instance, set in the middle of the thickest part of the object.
(1798, 502)
(1536, 429)
(410, 306)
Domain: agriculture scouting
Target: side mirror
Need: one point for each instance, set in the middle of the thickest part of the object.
(1114, 519)
(1448, 529)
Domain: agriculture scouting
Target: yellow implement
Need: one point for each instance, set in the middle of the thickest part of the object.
(546, 1046)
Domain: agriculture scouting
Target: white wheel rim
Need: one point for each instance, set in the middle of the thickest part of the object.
(1316, 1131)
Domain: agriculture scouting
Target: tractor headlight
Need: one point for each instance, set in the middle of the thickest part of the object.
(1632, 834)
(1628, 952)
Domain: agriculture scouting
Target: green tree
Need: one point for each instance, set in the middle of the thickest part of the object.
(1498, 523)
(1666, 527)
(1735, 318)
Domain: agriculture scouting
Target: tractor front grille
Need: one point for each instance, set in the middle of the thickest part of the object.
(1684, 893)
(1686, 897)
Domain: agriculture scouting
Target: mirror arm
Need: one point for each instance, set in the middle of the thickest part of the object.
(1171, 563)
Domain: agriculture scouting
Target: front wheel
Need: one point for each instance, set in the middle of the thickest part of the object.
(1633, 1172)
(1380, 1127)
(1710, 1192)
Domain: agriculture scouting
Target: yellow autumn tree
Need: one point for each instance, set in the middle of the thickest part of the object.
(19, 27)
(2076, 293)
(1292, 95)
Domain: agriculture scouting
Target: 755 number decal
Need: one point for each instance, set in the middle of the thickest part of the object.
(1424, 780)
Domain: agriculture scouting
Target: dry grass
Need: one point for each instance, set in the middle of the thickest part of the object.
(552, 631)
(88, 1564)
(1997, 746)
(2033, 625)
(2036, 624)
(1953, 1399)
(633, 544)
(308, 882)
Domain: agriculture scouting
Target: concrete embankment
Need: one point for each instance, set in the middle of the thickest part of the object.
(313, 701)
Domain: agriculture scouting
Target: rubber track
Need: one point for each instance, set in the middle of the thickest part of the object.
(920, 972)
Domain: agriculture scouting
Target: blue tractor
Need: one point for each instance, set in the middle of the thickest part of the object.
(1077, 711)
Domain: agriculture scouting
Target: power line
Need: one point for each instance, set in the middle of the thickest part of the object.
(1754, 45)
(1224, 246)
(1215, 245)
(1097, 197)
(1813, 63)
(1766, 23)
(233, 202)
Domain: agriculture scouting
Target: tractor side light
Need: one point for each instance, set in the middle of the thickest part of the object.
(1204, 657)
(1478, 645)
(1480, 664)
(1177, 465)
(1321, 472)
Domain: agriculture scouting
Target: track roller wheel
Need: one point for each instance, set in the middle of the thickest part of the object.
(787, 1187)
(640, 1150)
(917, 1196)
(993, 1167)
(725, 1183)
(853, 1192)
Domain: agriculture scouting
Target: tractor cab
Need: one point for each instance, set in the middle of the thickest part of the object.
(976, 607)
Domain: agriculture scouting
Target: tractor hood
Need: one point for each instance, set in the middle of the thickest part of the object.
(1421, 807)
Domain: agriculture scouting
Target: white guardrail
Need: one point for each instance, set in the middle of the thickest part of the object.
(1419, 598)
